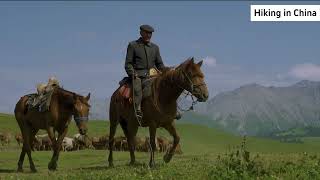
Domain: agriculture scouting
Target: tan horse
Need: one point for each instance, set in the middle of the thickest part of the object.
(159, 110)
(64, 105)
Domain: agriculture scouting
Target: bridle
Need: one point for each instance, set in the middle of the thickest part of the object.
(191, 91)
(80, 119)
(192, 85)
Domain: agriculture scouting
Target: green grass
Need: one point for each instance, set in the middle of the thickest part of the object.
(208, 153)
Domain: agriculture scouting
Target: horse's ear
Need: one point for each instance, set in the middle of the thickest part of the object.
(192, 59)
(88, 97)
(200, 63)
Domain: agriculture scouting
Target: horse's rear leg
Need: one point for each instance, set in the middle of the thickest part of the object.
(27, 136)
(113, 127)
(172, 130)
(32, 134)
(21, 159)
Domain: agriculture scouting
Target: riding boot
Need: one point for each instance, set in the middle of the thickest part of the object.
(139, 113)
(178, 115)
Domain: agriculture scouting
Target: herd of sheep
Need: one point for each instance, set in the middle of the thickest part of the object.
(77, 142)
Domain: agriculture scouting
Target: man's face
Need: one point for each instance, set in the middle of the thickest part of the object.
(146, 36)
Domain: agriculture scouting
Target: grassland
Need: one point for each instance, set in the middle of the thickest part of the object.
(208, 153)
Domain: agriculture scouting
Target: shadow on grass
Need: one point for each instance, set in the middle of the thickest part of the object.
(8, 170)
(106, 167)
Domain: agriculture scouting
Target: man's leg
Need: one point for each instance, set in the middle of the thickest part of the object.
(137, 96)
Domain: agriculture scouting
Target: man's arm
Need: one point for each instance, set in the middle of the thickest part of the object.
(129, 60)
(159, 64)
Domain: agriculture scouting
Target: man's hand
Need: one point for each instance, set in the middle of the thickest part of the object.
(135, 75)
(166, 68)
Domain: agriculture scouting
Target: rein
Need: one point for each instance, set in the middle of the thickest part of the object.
(80, 119)
(192, 87)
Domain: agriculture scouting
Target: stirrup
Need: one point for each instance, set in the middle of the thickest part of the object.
(178, 116)
(139, 115)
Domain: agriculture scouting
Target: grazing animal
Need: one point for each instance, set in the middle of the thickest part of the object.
(82, 141)
(96, 143)
(64, 104)
(140, 144)
(19, 139)
(101, 142)
(120, 143)
(67, 144)
(5, 138)
(36, 144)
(159, 109)
(163, 144)
(46, 143)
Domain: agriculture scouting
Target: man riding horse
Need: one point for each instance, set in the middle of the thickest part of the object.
(142, 57)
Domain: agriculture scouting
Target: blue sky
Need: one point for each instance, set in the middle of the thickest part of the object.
(84, 44)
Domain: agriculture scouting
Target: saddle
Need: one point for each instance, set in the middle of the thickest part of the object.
(40, 102)
(125, 89)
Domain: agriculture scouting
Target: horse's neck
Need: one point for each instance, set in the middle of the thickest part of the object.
(170, 88)
(61, 100)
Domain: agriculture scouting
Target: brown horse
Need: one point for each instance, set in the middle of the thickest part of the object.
(159, 110)
(64, 104)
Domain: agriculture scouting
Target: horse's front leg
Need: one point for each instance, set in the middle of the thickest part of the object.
(131, 137)
(56, 150)
(152, 133)
(172, 130)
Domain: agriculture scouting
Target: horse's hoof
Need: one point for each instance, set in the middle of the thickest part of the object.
(152, 164)
(132, 163)
(19, 169)
(167, 157)
(33, 170)
(52, 166)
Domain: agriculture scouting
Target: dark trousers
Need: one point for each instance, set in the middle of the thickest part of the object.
(137, 91)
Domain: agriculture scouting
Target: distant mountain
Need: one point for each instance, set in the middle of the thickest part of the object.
(257, 110)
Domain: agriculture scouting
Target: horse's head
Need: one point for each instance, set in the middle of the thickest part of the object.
(81, 112)
(193, 79)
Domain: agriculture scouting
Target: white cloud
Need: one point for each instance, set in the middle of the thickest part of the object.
(210, 61)
(307, 71)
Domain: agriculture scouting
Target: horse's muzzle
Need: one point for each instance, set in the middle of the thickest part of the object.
(83, 131)
(203, 98)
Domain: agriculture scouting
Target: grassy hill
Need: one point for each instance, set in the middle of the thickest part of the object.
(208, 153)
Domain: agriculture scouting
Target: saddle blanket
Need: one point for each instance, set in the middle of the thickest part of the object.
(40, 102)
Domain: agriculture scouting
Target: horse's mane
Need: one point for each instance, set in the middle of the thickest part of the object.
(72, 94)
(166, 78)
(169, 73)
(66, 91)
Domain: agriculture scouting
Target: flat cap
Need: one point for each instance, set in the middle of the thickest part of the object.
(147, 28)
